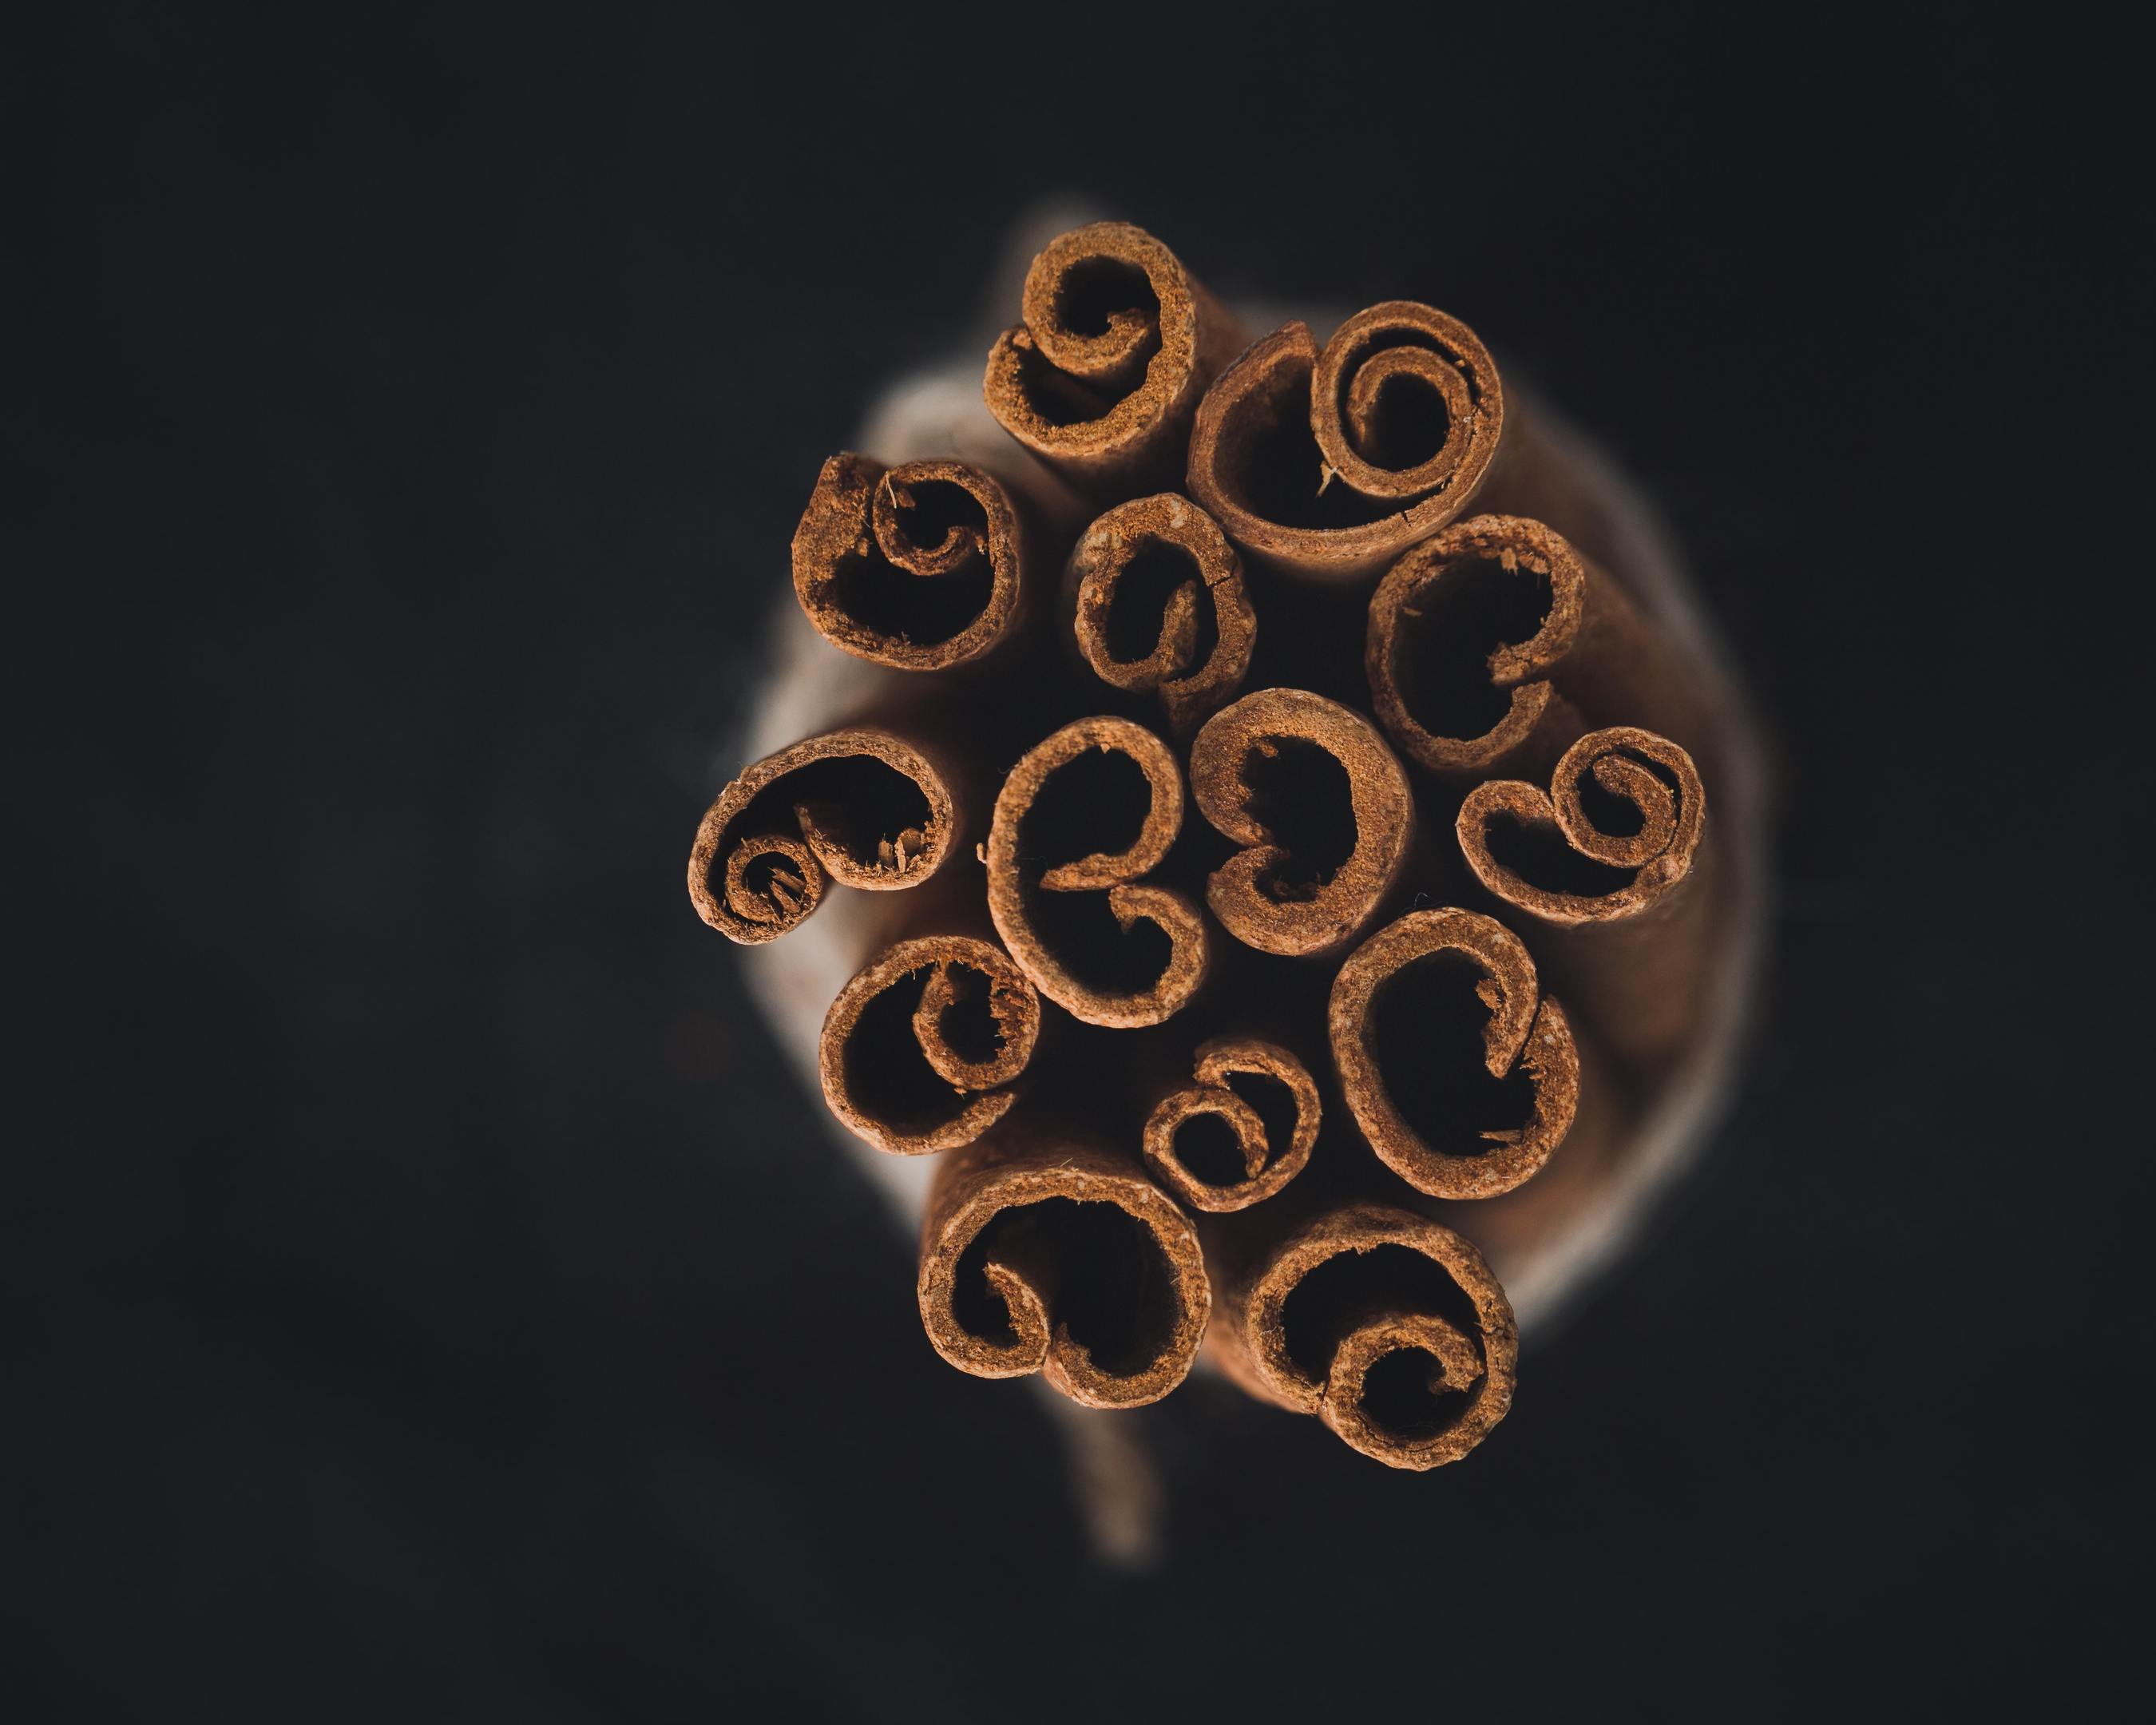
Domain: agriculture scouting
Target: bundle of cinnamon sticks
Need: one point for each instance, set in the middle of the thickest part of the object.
(1270, 840)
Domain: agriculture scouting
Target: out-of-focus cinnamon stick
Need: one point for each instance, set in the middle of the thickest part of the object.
(1118, 342)
(1494, 645)
(1042, 1253)
(1322, 807)
(1328, 463)
(935, 1019)
(1387, 1326)
(918, 567)
(1163, 553)
(1070, 823)
(1265, 1168)
(862, 805)
(1460, 1101)
(1613, 860)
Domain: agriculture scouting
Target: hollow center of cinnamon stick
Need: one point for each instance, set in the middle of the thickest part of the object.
(869, 809)
(1427, 1027)
(1539, 853)
(1205, 1144)
(1409, 424)
(1095, 804)
(1273, 466)
(889, 1078)
(1138, 608)
(1097, 1269)
(924, 610)
(1339, 1293)
(1405, 1394)
(1447, 632)
(1093, 290)
(1300, 791)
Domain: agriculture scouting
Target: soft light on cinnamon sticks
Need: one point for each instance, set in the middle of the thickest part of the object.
(1248, 1079)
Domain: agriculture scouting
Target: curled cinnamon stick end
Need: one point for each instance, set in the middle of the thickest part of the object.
(1219, 1061)
(1465, 631)
(1389, 1327)
(915, 566)
(1163, 553)
(1322, 807)
(1327, 463)
(919, 1051)
(1069, 797)
(1496, 1084)
(1118, 342)
(1043, 1254)
(1616, 833)
(861, 805)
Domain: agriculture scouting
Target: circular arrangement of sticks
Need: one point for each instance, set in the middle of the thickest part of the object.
(1290, 845)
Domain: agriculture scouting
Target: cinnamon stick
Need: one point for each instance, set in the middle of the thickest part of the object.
(1044, 1253)
(1162, 551)
(1265, 1170)
(862, 806)
(922, 1051)
(1060, 806)
(918, 567)
(1387, 1326)
(1118, 343)
(1617, 840)
(1460, 1101)
(1328, 463)
(1322, 809)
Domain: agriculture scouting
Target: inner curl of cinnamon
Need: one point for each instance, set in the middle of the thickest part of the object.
(1049, 1257)
(1234, 1074)
(1389, 1328)
(1080, 820)
(1617, 832)
(1160, 605)
(1322, 808)
(914, 566)
(1461, 1076)
(860, 806)
(921, 1050)
(1327, 461)
(1104, 372)
(1465, 632)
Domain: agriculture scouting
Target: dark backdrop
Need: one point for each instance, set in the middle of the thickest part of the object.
(403, 1188)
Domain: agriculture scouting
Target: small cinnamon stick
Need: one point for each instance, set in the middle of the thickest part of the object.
(1387, 1326)
(1219, 1061)
(1041, 1253)
(963, 1009)
(1118, 342)
(862, 805)
(1059, 806)
(918, 567)
(1620, 838)
(1327, 463)
(1164, 550)
(1493, 644)
(1496, 1084)
(1322, 807)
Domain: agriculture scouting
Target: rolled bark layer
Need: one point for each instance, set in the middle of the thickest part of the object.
(1328, 463)
(862, 806)
(1266, 1165)
(1118, 343)
(921, 1051)
(1460, 1101)
(917, 567)
(1322, 808)
(1387, 1326)
(1069, 823)
(1042, 1253)
(1163, 557)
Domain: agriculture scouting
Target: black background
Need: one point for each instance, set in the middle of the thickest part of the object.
(420, 1324)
